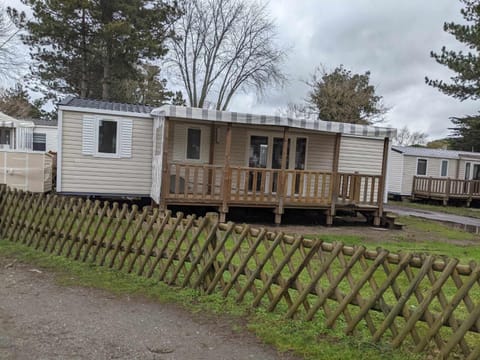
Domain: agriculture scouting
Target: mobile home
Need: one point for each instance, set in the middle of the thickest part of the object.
(188, 156)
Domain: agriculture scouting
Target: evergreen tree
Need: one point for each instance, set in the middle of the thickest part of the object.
(91, 47)
(466, 82)
(343, 96)
(466, 133)
(15, 102)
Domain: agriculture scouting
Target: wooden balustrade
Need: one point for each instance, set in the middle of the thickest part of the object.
(358, 189)
(199, 183)
(445, 188)
(195, 182)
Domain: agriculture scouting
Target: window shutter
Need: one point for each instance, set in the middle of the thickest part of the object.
(125, 137)
(88, 135)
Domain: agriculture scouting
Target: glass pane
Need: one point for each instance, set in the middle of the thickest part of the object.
(5, 136)
(422, 167)
(476, 172)
(444, 168)
(277, 153)
(258, 151)
(39, 142)
(193, 144)
(107, 137)
(300, 152)
(467, 171)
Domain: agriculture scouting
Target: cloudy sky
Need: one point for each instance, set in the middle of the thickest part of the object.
(391, 39)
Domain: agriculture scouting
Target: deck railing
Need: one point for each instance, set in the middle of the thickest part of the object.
(446, 189)
(199, 183)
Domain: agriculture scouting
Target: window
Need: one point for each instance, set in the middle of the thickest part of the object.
(444, 168)
(4, 136)
(258, 151)
(476, 172)
(39, 142)
(193, 144)
(467, 171)
(422, 167)
(107, 136)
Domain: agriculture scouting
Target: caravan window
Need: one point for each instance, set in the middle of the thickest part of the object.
(39, 142)
(421, 167)
(193, 144)
(107, 137)
(444, 168)
(4, 136)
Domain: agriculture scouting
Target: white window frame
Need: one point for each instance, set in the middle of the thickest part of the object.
(441, 166)
(199, 160)
(97, 153)
(426, 167)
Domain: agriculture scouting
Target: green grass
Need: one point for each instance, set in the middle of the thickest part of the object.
(455, 210)
(451, 242)
(309, 339)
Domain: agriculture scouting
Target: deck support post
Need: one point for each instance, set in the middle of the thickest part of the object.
(334, 180)
(165, 187)
(381, 192)
(282, 179)
(227, 174)
(447, 192)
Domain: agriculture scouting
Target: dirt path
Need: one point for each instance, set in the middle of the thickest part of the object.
(41, 320)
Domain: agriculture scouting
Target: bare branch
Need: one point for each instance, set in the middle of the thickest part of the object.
(222, 47)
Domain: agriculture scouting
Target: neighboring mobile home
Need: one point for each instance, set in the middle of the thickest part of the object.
(188, 156)
(433, 173)
(27, 135)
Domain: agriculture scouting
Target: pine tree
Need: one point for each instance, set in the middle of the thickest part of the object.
(90, 48)
(465, 85)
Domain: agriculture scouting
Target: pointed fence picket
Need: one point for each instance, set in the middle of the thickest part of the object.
(418, 301)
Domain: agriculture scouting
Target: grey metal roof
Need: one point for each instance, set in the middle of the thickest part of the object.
(242, 118)
(105, 105)
(435, 153)
(41, 122)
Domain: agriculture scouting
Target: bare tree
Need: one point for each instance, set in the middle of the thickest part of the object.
(222, 47)
(405, 137)
(11, 62)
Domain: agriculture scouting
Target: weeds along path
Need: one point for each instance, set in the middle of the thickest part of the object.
(42, 320)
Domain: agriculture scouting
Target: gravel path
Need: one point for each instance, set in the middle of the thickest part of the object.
(41, 320)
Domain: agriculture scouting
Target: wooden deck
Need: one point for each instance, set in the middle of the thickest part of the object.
(233, 186)
(446, 189)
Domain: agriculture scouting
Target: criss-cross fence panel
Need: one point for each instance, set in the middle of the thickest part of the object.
(420, 302)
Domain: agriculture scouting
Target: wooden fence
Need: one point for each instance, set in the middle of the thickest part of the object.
(419, 301)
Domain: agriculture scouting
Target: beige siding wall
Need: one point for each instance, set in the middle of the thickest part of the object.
(361, 155)
(462, 163)
(433, 170)
(395, 171)
(89, 174)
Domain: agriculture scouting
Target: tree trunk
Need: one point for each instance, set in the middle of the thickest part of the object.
(83, 82)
